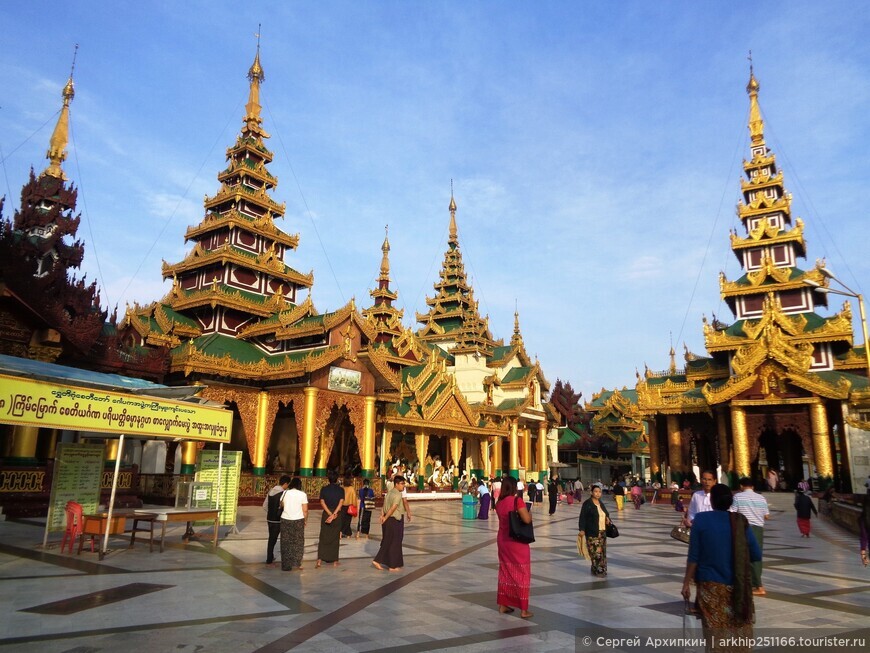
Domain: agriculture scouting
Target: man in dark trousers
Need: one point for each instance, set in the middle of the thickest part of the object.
(553, 492)
(272, 506)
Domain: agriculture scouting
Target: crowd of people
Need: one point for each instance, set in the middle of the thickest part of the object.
(723, 564)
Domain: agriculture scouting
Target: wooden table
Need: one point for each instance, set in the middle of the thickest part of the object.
(98, 523)
(189, 515)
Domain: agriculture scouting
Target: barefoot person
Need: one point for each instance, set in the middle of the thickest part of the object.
(514, 558)
(392, 520)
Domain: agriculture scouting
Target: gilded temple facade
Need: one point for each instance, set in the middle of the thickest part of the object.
(780, 383)
(348, 389)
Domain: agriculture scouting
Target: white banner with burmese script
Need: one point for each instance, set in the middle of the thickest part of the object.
(50, 405)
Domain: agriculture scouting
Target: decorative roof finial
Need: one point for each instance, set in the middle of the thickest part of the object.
(756, 125)
(517, 338)
(385, 261)
(453, 239)
(252, 108)
(60, 137)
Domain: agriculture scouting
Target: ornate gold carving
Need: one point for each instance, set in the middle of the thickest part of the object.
(21, 480)
(728, 390)
(246, 402)
(189, 359)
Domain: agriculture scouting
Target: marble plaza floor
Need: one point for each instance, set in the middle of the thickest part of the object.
(190, 598)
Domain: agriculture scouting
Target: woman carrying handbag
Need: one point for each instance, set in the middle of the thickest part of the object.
(593, 523)
(514, 557)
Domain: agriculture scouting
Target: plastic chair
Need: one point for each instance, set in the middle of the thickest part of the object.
(74, 521)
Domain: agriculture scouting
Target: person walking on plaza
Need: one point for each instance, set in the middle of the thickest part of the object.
(772, 479)
(484, 497)
(349, 500)
(701, 499)
(514, 558)
(294, 517)
(553, 493)
(272, 506)
(593, 520)
(496, 491)
(804, 507)
(390, 554)
(636, 495)
(331, 501)
(721, 548)
(754, 507)
(366, 503)
(578, 489)
(618, 494)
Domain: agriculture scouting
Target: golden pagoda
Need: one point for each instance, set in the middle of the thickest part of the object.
(771, 391)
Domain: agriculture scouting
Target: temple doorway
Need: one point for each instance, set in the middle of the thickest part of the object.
(783, 452)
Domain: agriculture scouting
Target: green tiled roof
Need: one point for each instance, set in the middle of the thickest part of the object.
(499, 353)
(516, 374)
(178, 317)
(510, 404)
(700, 362)
(859, 381)
(568, 436)
(659, 380)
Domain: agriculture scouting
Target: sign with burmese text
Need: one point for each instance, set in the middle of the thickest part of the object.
(49, 405)
(78, 471)
(231, 469)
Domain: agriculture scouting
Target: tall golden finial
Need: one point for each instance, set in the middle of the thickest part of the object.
(385, 261)
(256, 77)
(517, 338)
(453, 239)
(673, 367)
(756, 124)
(60, 137)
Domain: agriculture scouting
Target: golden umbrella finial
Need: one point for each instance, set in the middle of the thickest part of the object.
(56, 154)
(756, 124)
(453, 239)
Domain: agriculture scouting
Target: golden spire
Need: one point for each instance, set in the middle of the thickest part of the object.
(673, 367)
(252, 108)
(57, 145)
(453, 238)
(756, 124)
(517, 338)
(385, 261)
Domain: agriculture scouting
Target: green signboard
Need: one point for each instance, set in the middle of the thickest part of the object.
(78, 471)
(231, 469)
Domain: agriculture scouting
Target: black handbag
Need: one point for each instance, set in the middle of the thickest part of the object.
(611, 530)
(520, 530)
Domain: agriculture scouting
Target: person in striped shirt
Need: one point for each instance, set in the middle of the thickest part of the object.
(754, 507)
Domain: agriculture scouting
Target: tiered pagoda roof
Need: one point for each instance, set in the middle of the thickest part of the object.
(453, 314)
(235, 308)
(778, 347)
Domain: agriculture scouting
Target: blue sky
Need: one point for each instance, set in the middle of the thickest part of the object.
(595, 148)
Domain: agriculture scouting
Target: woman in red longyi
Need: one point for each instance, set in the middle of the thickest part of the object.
(514, 558)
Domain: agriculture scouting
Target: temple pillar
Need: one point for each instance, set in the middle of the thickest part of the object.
(455, 444)
(261, 437)
(741, 441)
(514, 462)
(24, 440)
(482, 458)
(821, 443)
(188, 457)
(675, 449)
(367, 452)
(308, 444)
(495, 456)
(111, 445)
(724, 448)
(528, 463)
(655, 459)
(421, 442)
(324, 449)
(543, 466)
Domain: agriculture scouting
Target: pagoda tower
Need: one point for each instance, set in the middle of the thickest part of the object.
(38, 253)
(235, 273)
(385, 318)
(770, 394)
(453, 320)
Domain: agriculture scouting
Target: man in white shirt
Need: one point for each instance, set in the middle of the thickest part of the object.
(754, 507)
(701, 499)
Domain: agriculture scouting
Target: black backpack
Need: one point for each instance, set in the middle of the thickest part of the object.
(273, 507)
